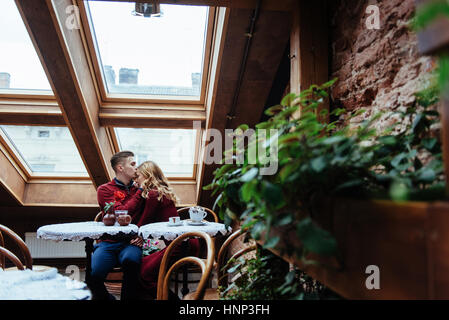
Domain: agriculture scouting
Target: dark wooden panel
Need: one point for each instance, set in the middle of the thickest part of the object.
(309, 46)
(407, 241)
(12, 184)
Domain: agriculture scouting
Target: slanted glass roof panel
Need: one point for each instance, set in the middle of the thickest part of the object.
(20, 68)
(173, 150)
(46, 149)
(160, 57)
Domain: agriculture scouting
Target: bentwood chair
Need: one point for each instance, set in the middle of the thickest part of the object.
(205, 265)
(222, 266)
(114, 279)
(25, 252)
(11, 256)
(192, 269)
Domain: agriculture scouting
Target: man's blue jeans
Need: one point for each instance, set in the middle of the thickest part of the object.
(108, 255)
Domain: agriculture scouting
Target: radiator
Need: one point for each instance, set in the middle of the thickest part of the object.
(40, 248)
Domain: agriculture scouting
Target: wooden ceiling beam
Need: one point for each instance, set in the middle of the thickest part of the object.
(62, 54)
(269, 5)
(158, 118)
(20, 113)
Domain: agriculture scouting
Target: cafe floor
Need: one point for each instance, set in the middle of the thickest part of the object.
(191, 286)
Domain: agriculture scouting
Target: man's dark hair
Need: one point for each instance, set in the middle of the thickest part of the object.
(119, 157)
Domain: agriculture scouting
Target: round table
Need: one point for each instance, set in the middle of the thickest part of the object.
(41, 285)
(162, 230)
(86, 231)
(77, 231)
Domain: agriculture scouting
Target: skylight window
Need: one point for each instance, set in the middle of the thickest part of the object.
(20, 68)
(45, 150)
(158, 57)
(173, 150)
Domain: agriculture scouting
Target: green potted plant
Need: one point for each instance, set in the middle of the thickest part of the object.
(318, 210)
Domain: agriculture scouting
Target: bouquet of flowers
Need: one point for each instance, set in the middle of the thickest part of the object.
(149, 247)
(118, 196)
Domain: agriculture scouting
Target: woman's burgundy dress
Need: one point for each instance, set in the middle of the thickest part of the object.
(158, 211)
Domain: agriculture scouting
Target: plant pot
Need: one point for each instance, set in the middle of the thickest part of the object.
(109, 219)
(408, 242)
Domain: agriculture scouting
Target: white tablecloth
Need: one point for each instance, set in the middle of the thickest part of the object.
(81, 230)
(163, 230)
(44, 285)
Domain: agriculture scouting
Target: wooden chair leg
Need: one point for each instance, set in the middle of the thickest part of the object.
(185, 284)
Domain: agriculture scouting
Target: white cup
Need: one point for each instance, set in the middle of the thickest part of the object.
(197, 214)
(174, 220)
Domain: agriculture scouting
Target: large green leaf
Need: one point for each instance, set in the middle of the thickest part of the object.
(316, 239)
(272, 193)
(250, 175)
(318, 164)
(247, 190)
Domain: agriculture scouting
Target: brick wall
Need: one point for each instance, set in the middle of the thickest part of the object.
(378, 69)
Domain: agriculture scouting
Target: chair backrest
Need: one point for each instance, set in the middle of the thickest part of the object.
(206, 267)
(184, 213)
(99, 217)
(2, 257)
(20, 243)
(222, 274)
(11, 256)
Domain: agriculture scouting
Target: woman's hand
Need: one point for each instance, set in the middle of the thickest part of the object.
(137, 242)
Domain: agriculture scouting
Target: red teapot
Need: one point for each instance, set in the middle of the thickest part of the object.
(122, 217)
(109, 219)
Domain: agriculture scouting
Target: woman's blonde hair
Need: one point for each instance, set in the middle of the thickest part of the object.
(155, 180)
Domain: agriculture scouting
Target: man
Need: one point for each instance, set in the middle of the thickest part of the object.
(110, 253)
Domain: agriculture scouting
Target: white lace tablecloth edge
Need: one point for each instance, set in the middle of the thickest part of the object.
(43, 233)
(167, 235)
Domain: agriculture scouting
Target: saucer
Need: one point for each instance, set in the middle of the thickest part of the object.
(175, 224)
(196, 223)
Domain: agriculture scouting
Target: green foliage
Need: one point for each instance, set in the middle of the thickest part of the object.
(318, 160)
(266, 277)
(429, 12)
(108, 206)
(425, 15)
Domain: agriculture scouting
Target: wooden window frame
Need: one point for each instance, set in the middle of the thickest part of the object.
(28, 108)
(174, 101)
(25, 171)
(114, 140)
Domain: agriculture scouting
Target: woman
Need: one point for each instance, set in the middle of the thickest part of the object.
(160, 204)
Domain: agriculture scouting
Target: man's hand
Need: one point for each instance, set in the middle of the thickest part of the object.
(137, 242)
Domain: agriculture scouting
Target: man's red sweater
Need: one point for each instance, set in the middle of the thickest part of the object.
(132, 202)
